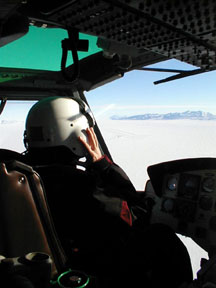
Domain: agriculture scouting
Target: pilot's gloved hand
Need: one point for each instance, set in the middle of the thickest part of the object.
(92, 146)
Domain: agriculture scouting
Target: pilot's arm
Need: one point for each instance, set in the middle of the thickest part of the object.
(114, 188)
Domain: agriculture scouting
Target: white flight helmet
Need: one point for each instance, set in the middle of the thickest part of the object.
(58, 121)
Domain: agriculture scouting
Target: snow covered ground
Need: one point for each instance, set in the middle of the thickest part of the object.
(136, 144)
(11, 135)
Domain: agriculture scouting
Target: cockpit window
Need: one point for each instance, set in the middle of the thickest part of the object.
(144, 124)
(12, 125)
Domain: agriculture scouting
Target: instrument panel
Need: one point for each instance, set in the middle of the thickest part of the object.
(187, 203)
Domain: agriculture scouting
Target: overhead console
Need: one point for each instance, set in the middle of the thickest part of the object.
(184, 197)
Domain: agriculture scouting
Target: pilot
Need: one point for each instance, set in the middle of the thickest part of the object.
(98, 215)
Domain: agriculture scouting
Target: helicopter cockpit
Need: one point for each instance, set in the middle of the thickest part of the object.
(104, 41)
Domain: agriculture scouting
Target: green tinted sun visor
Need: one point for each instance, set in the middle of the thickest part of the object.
(41, 49)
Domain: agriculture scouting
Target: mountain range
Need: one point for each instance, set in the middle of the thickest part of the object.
(192, 115)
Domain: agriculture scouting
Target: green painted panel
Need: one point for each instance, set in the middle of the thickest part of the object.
(41, 48)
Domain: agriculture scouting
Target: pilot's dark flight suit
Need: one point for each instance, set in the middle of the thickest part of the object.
(95, 213)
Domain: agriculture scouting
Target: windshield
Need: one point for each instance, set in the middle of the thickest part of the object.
(144, 124)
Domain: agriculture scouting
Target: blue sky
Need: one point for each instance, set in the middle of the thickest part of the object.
(135, 93)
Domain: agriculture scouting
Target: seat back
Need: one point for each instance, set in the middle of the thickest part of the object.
(7, 154)
(25, 221)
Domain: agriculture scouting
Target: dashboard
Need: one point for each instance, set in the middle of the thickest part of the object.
(184, 197)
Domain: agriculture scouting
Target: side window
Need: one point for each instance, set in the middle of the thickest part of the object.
(12, 125)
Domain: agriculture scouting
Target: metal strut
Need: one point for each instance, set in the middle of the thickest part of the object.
(2, 105)
(73, 44)
(180, 73)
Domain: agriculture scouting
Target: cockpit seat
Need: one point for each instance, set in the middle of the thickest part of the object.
(6, 154)
(25, 222)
